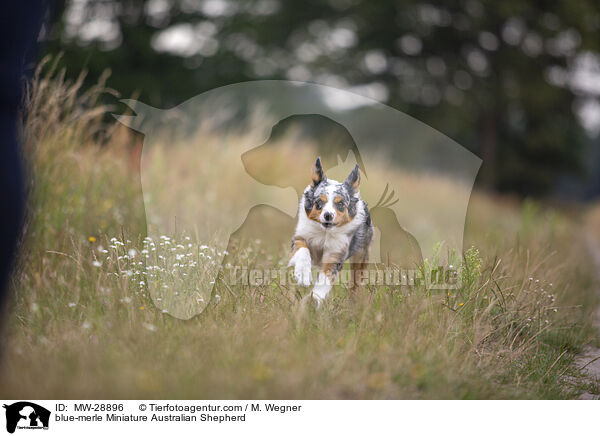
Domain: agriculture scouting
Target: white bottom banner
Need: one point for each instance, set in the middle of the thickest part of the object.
(298, 417)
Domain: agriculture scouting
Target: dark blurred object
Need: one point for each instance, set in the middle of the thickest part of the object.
(20, 24)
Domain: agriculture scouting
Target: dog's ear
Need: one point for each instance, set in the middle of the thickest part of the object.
(317, 173)
(353, 180)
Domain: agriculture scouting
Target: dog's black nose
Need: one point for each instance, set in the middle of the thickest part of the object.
(328, 217)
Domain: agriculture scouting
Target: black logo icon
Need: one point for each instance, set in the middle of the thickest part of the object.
(26, 415)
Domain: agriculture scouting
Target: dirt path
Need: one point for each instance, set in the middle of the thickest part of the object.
(590, 359)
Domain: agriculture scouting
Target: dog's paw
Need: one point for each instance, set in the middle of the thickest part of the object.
(301, 262)
(318, 300)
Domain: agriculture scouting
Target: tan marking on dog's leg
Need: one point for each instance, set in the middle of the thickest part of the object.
(331, 265)
(301, 261)
(298, 242)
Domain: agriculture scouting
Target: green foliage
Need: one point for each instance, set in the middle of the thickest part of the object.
(489, 74)
(471, 268)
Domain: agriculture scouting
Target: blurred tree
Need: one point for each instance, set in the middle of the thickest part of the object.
(495, 76)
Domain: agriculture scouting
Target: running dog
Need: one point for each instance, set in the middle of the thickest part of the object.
(334, 225)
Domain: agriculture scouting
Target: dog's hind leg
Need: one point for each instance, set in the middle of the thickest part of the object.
(359, 264)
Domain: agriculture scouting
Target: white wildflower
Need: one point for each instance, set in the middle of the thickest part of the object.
(149, 326)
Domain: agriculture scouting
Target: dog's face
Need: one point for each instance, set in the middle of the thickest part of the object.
(331, 203)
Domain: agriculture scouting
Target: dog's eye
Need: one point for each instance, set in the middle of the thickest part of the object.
(340, 206)
(318, 204)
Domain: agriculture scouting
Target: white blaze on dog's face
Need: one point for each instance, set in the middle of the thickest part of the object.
(329, 202)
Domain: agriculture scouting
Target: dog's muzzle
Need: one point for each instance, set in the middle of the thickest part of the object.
(327, 220)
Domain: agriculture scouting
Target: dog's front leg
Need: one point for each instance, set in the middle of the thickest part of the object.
(332, 264)
(301, 261)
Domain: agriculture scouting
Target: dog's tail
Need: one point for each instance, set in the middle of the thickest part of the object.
(386, 200)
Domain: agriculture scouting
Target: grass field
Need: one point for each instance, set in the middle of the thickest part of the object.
(80, 325)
